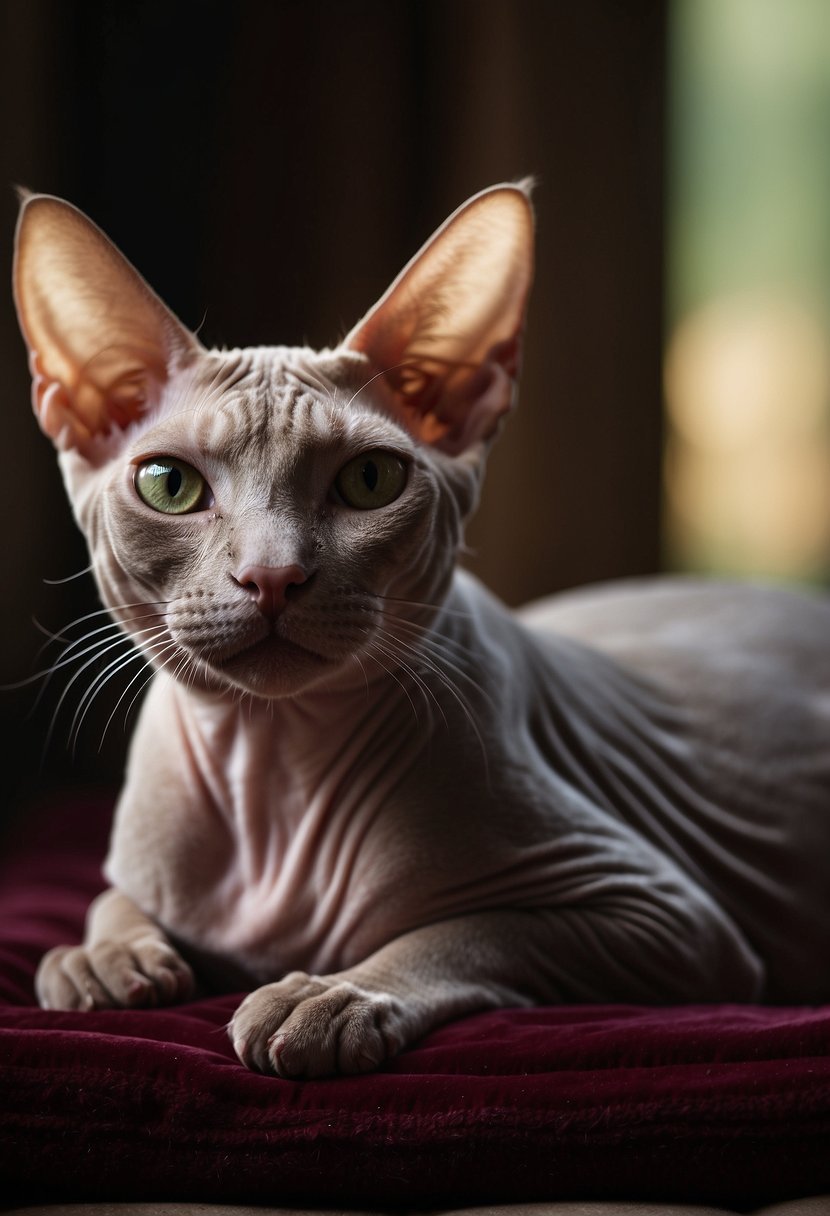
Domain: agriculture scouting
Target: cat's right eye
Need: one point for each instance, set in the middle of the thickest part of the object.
(170, 486)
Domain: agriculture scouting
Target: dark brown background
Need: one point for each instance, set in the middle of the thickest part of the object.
(269, 167)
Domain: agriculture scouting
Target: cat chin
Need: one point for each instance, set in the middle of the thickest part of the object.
(271, 668)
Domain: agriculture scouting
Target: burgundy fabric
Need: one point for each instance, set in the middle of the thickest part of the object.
(727, 1104)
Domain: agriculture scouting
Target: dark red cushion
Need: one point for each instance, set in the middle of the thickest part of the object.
(727, 1104)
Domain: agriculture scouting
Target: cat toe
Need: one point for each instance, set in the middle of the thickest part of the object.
(66, 980)
(170, 975)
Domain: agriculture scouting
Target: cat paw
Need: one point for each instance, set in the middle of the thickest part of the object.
(113, 975)
(312, 1026)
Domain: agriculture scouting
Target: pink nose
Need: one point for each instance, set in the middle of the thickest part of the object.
(268, 586)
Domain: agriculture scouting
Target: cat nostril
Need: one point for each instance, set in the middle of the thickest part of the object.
(293, 589)
(270, 587)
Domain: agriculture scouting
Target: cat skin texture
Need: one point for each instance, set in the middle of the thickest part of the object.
(359, 786)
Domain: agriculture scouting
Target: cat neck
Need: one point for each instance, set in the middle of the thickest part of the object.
(321, 718)
(251, 754)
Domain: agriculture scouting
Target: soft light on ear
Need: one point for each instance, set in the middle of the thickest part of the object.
(447, 334)
(101, 342)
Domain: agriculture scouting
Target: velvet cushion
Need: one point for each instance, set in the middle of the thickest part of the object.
(722, 1104)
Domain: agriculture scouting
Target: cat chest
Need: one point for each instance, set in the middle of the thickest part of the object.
(276, 876)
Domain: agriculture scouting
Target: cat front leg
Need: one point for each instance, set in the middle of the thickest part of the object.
(125, 962)
(353, 1021)
(644, 950)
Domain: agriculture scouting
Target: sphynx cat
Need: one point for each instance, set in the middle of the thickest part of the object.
(360, 787)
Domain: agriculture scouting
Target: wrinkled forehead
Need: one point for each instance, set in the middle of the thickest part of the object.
(271, 400)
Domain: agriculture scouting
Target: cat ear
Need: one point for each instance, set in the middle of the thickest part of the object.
(447, 334)
(101, 343)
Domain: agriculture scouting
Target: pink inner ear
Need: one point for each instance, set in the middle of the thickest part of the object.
(452, 407)
(56, 416)
(101, 342)
(446, 336)
(72, 416)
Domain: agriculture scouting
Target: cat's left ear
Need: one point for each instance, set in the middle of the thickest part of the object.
(101, 342)
(446, 336)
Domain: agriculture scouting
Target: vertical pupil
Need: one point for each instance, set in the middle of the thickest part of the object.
(370, 475)
(174, 482)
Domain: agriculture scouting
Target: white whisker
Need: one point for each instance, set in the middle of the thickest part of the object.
(377, 646)
(417, 654)
(399, 653)
(370, 653)
(428, 636)
(111, 626)
(122, 639)
(356, 659)
(57, 582)
(137, 654)
(391, 599)
(112, 669)
(111, 629)
(377, 376)
(184, 661)
(103, 677)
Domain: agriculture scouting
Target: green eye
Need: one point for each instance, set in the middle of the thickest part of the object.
(372, 480)
(170, 486)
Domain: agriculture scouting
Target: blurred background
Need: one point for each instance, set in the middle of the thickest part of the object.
(270, 166)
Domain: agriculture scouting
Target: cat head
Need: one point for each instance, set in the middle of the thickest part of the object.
(258, 519)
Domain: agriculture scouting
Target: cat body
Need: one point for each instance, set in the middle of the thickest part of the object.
(359, 784)
(324, 833)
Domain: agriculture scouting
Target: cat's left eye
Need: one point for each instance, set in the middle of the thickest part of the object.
(371, 480)
(170, 486)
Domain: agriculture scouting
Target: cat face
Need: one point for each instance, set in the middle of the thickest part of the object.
(261, 520)
(262, 530)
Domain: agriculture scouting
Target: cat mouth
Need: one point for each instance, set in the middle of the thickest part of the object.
(277, 643)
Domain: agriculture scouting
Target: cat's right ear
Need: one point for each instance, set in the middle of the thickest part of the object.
(101, 343)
